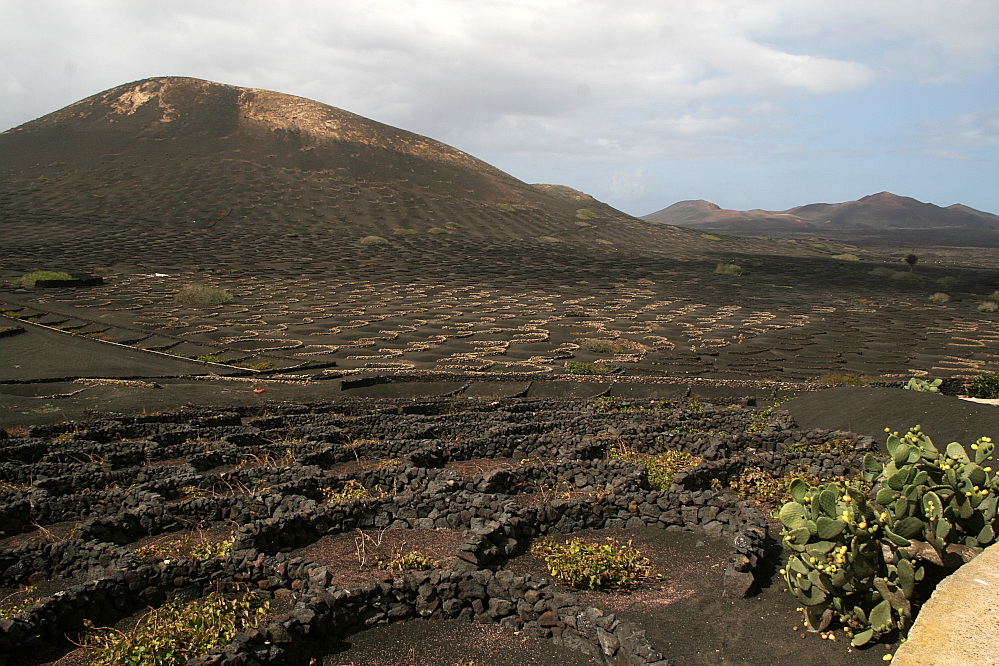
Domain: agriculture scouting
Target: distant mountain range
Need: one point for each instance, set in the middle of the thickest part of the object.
(882, 212)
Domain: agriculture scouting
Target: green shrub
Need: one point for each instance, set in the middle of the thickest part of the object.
(769, 490)
(352, 490)
(549, 239)
(660, 467)
(846, 256)
(883, 271)
(994, 296)
(728, 269)
(201, 295)
(452, 225)
(939, 297)
(593, 565)
(412, 559)
(984, 386)
(509, 208)
(868, 560)
(947, 282)
(577, 368)
(175, 632)
(440, 231)
(406, 231)
(208, 358)
(988, 306)
(184, 548)
(29, 279)
(374, 241)
(711, 237)
(917, 384)
(586, 214)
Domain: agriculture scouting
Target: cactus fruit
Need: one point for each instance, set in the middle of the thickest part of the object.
(868, 559)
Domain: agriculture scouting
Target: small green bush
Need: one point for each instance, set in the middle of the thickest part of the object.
(939, 297)
(593, 565)
(660, 467)
(711, 237)
(29, 279)
(947, 282)
(586, 214)
(984, 386)
(406, 231)
(411, 560)
(728, 269)
(201, 295)
(994, 296)
(208, 358)
(549, 239)
(509, 208)
(577, 368)
(175, 632)
(988, 306)
(846, 257)
(440, 231)
(374, 241)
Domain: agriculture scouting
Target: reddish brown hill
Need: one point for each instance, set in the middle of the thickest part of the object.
(877, 212)
(180, 151)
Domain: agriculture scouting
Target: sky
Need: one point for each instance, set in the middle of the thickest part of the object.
(641, 103)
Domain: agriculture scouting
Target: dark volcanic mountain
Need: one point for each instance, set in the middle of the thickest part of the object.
(191, 152)
(877, 213)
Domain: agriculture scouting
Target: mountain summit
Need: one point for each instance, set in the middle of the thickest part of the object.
(182, 150)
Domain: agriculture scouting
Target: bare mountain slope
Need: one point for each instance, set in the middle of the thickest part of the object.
(182, 151)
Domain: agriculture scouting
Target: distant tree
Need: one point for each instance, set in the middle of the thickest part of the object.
(911, 259)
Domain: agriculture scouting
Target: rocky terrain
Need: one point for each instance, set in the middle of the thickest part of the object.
(417, 350)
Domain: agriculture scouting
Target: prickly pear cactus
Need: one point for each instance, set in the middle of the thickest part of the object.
(866, 553)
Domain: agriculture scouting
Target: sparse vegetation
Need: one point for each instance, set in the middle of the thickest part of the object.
(208, 358)
(711, 237)
(406, 231)
(29, 279)
(947, 282)
(374, 241)
(440, 231)
(728, 269)
(352, 490)
(549, 239)
(509, 208)
(660, 467)
(410, 560)
(939, 297)
(988, 306)
(846, 256)
(175, 632)
(202, 295)
(586, 214)
(577, 368)
(185, 548)
(844, 379)
(601, 346)
(262, 365)
(593, 565)
(883, 271)
(984, 386)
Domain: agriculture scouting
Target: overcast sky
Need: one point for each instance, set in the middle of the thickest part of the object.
(641, 103)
